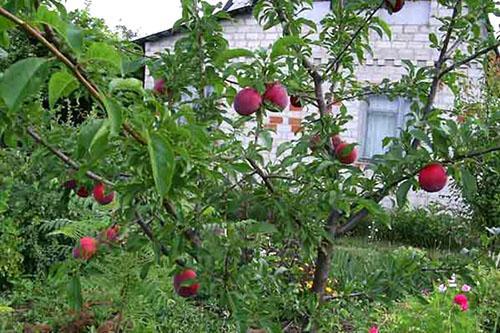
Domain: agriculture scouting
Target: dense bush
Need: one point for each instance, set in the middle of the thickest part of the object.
(430, 227)
(485, 203)
(188, 183)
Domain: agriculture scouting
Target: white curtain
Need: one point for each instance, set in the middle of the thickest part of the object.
(384, 119)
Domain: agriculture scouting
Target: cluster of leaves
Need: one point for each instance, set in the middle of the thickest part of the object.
(431, 227)
(202, 197)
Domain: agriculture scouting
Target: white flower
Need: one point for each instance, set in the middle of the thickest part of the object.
(442, 288)
(466, 288)
(452, 283)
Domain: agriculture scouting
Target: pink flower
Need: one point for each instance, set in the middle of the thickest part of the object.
(373, 329)
(462, 301)
(466, 288)
(464, 306)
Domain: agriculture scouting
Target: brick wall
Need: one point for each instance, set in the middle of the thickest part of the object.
(410, 30)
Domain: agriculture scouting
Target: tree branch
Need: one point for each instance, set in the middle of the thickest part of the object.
(262, 175)
(468, 59)
(358, 217)
(93, 90)
(65, 158)
(439, 63)
(338, 58)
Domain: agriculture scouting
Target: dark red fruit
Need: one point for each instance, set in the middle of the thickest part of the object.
(247, 101)
(342, 153)
(76, 252)
(99, 195)
(433, 177)
(295, 101)
(82, 192)
(184, 284)
(277, 95)
(394, 6)
(159, 87)
(70, 184)
(112, 233)
(336, 140)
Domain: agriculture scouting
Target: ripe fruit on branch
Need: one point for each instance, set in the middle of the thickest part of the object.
(433, 177)
(83, 192)
(295, 101)
(184, 284)
(247, 101)
(394, 6)
(345, 154)
(159, 87)
(336, 140)
(99, 196)
(276, 95)
(76, 252)
(70, 184)
(86, 249)
(112, 233)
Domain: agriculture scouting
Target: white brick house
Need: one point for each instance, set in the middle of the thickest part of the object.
(373, 118)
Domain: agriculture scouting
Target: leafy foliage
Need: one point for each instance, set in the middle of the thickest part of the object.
(190, 192)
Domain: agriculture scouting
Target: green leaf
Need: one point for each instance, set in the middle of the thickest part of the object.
(468, 182)
(114, 111)
(100, 140)
(385, 27)
(241, 167)
(4, 39)
(87, 133)
(261, 228)
(433, 38)
(50, 18)
(282, 46)
(420, 135)
(402, 192)
(3, 54)
(282, 148)
(61, 84)
(162, 159)
(104, 53)
(228, 54)
(21, 80)
(75, 293)
(74, 37)
(6, 24)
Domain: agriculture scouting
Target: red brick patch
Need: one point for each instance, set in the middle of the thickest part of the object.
(275, 120)
(296, 128)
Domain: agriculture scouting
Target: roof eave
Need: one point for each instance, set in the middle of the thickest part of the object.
(171, 32)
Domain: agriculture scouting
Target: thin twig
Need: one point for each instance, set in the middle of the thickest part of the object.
(468, 59)
(65, 158)
(75, 68)
(439, 64)
(262, 174)
(339, 57)
(358, 217)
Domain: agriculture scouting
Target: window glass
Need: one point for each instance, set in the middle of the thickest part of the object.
(384, 118)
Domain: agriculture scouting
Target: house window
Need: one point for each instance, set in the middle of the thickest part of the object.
(384, 118)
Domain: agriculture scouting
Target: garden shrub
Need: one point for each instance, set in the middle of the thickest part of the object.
(425, 227)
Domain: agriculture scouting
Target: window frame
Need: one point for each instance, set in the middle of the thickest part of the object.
(403, 110)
